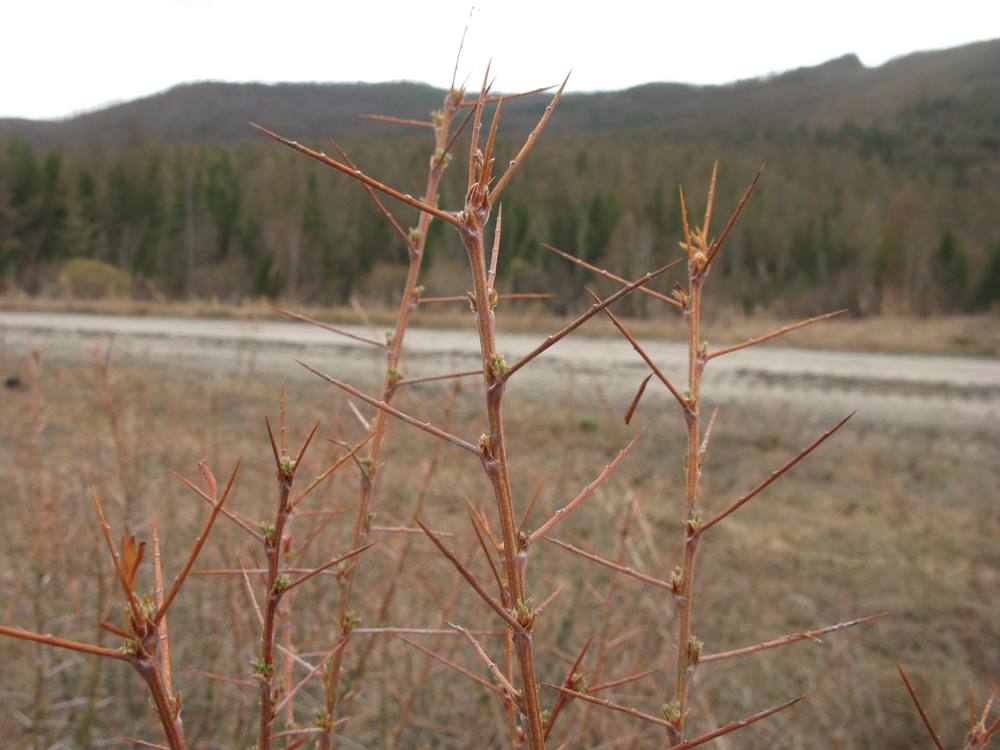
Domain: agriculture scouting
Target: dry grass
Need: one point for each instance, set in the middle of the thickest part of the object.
(881, 520)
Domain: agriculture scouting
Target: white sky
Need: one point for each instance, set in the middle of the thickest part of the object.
(57, 58)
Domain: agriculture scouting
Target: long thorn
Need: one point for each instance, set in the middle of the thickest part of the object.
(392, 411)
(199, 543)
(734, 725)
(608, 275)
(920, 709)
(580, 320)
(775, 334)
(808, 635)
(467, 575)
(586, 492)
(732, 219)
(642, 353)
(328, 327)
(361, 177)
(608, 564)
(528, 143)
(776, 474)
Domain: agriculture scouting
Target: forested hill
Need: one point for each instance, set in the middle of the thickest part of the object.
(881, 189)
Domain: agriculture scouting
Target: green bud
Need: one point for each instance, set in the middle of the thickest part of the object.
(498, 365)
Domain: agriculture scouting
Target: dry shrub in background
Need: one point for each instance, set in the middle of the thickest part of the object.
(532, 704)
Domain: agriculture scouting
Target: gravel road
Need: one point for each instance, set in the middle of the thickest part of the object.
(958, 392)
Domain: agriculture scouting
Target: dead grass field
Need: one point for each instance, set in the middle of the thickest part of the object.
(885, 516)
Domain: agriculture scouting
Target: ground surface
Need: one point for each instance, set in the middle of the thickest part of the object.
(902, 388)
(897, 512)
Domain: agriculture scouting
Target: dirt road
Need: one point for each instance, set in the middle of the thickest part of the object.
(887, 388)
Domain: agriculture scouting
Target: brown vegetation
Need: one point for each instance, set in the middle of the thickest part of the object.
(526, 667)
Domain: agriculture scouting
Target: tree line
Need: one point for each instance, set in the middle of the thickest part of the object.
(844, 217)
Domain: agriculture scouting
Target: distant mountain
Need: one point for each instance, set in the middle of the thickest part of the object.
(957, 87)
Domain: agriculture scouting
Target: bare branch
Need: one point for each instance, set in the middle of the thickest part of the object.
(608, 564)
(432, 378)
(361, 177)
(920, 709)
(584, 494)
(495, 255)
(808, 635)
(635, 399)
(143, 743)
(775, 474)
(642, 353)
(164, 636)
(312, 673)
(571, 681)
(711, 200)
(734, 725)
(476, 585)
(510, 691)
(500, 297)
(330, 470)
(404, 235)
(199, 543)
(532, 137)
(398, 120)
(732, 219)
(461, 670)
(774, 334)
(392, 411)
(580, 320)
(608, 275)
(327, 566)
(51, 640)
(507, 97)
(611, 705)
(622, 680)
(328, 327)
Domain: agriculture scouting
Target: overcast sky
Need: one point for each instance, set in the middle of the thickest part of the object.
(57, 58)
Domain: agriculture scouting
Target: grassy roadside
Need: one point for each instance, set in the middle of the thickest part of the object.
(881, 519)
(964, 335)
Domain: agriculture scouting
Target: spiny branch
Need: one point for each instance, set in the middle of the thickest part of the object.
(528, 143)
(717, 245)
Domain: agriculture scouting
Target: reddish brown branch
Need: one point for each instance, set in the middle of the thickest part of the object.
(774, 334)
(808, 635)
(920, 709)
